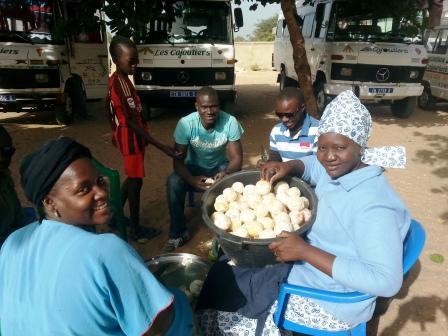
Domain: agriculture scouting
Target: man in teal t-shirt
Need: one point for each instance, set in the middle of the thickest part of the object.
(209, 139)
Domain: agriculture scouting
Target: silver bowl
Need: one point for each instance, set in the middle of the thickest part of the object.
(183, 271)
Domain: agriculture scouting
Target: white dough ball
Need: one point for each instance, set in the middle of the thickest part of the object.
(306, 215)
(281, 186)
(267, 222)
(213, 215)
(233, 213)
(236, 224)
(283, 197)
(222, 221)
(240, 232)
(254, 228)
(249, 189)
(282, 226)
(263, 187)
(209, 180)
(221, 206)
(282, 217)
(234, 205)
(243, 206)
(253, 200)
(261, 211)
(306, 202)
(247, 215)
(220, 198)
(295, 204)
(276, 207)
(238, 187)
(229, 194)
(267, 234)
(196, 287)
(293, 191)
(296, 218)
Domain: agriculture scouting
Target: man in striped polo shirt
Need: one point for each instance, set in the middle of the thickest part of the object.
(295, 135)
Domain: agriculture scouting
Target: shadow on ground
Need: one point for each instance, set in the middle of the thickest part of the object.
(435, 155)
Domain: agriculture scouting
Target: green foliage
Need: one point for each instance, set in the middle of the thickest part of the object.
(263, 29)
(437, 258)
(240, 39)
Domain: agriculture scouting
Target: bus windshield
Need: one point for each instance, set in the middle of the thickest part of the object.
(29, 22)
(194, 22)
(349, 22)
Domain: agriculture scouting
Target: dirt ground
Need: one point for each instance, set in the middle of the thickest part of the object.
(421, 308)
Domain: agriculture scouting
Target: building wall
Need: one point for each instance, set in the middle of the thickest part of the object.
(254, 56)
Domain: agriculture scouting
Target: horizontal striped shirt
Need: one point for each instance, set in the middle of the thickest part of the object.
(303, 143)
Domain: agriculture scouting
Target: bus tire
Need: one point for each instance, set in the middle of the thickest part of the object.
(321, 97)
(403, 108)
(64, 113)
(285, 81)
(426, 100)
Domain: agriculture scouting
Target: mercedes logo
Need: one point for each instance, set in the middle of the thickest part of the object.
(382, 74)
(183, 77)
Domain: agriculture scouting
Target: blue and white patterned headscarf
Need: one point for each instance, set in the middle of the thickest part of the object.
(346, 115)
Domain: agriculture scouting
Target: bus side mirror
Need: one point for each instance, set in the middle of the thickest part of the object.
(238, 15)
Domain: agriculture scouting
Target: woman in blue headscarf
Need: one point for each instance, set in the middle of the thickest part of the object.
(58, 279)
(356, 241)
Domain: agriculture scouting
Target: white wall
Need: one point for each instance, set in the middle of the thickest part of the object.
(254, 55)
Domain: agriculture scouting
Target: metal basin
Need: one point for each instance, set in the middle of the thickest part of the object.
(183, 271)
(245, 251)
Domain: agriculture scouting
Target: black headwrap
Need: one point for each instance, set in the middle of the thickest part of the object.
(41, 169)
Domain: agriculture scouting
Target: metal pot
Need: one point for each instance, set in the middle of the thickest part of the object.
(245, 251)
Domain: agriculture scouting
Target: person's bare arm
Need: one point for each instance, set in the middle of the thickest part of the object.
(275, 171)
(291, 247)
(274, 156)
(149, 139)
(181, 169)
(162, 322)
(235, 156)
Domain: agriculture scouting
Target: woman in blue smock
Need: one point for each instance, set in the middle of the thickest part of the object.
(58, 279)
(356, 241)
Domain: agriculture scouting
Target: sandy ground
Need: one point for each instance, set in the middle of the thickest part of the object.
(421, 308)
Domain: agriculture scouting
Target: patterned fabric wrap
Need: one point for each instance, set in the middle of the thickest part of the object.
(299, 310)
(346, 115)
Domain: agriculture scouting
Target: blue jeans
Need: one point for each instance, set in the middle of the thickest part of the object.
(176, 189)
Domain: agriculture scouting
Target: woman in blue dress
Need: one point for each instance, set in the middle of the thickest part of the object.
(355, 243)
(58, 279)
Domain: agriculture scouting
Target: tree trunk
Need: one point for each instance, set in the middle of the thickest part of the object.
(301, 65)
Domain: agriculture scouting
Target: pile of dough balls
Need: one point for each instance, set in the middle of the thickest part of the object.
(254, 211)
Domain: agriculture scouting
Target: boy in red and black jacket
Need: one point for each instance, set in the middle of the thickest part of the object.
(131, 134)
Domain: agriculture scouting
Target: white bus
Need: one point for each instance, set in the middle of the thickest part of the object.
(435, 80)
(196, 49)
(380, 58)
(37, 69)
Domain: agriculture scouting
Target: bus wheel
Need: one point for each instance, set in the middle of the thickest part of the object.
(426, 101)
(403, 108)
(64, 113)
(285, 81)
(321, 97)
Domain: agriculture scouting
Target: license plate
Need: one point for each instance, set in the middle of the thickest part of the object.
(182, 94)
(381, 90)
(7, 98)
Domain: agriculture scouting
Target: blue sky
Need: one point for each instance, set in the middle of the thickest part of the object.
(252, 17)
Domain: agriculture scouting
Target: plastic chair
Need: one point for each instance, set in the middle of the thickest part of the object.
(114, 196)
(413, 246)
